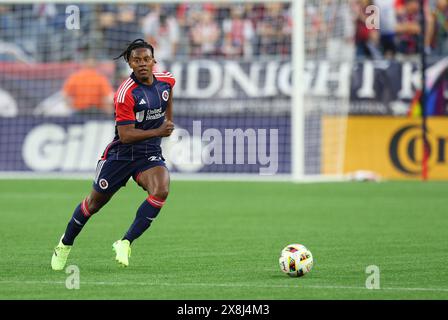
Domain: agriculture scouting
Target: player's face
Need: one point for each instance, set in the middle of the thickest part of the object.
(141, 61)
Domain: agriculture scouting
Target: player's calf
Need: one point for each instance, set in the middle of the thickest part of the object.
(89, 206)
(146, 213)
(79, 218)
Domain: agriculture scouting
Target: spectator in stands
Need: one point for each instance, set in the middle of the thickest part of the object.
(315, 30)
(205, 35)
(286, 42)
(9, 26)
(408, 27)
(388, 20)
(45, 17)
(329, 29)
(366, 39)
(186, 14)
(439, 29)
(39, 29)
(89, 91)
(255, 13)
(162, 31)
(118, 24)
(270, 30)
(238, 34)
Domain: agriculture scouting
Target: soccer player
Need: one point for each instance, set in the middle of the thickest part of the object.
(143, 115)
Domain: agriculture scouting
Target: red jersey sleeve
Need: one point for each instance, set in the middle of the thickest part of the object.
(165, 77)
(124, 103)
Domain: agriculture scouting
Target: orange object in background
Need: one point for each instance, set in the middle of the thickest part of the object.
(87, 88)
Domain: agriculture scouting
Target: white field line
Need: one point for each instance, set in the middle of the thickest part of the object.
(225, 285)
(12, 175)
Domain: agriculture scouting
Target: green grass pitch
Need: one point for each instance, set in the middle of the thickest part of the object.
(221, 240)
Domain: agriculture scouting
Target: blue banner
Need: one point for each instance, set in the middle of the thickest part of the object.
(231, 144)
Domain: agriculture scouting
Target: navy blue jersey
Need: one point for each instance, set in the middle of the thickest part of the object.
(142, 105)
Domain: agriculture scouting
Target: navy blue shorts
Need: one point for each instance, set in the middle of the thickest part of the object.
(111, 175)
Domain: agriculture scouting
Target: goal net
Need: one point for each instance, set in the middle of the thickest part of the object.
(242, 107)
(329, 55)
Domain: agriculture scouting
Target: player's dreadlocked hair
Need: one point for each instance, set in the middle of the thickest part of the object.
(138, 43)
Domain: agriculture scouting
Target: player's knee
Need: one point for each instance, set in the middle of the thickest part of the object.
(93, 205)
(160, 193)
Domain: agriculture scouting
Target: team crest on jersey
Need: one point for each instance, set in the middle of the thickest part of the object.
(103, 184)
(139, 116)
(165, 95)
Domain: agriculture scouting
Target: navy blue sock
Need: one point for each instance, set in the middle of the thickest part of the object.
(76, 223)
(147, 212)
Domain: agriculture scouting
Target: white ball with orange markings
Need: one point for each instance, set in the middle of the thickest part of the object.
(296, 260)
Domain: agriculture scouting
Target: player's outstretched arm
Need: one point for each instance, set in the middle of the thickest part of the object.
(129, 134)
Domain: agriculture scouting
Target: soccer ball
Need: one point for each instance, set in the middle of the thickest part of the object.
(296, 260)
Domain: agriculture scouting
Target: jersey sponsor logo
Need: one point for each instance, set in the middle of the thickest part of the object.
(154, 114)
(142, 101)
(139, 116)
(103, 184)
(165, 95)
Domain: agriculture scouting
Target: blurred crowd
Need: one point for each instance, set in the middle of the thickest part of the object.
(38, 31)
(400, 32)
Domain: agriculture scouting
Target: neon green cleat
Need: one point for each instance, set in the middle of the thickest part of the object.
(123, 250)
(60, 255)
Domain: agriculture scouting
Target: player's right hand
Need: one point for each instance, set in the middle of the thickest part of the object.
(166, 128)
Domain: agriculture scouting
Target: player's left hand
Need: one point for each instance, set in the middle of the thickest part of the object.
(166, 128)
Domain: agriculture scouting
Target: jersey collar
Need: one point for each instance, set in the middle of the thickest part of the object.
(141, 83)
